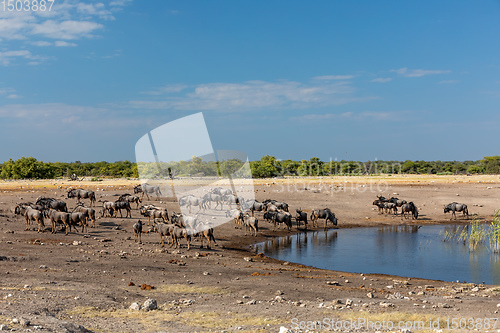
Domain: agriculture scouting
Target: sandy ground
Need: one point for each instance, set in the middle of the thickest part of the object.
(82, 281)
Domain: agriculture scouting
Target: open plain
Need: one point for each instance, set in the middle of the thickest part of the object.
(88, 281)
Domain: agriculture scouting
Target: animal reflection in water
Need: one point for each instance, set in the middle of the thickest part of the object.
(314, 238)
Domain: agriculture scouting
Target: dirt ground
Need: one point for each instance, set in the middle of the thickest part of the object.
(88, 281)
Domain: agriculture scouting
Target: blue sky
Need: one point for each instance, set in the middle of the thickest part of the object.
(360, 80)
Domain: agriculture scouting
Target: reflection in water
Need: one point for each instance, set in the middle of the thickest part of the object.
(413, 251)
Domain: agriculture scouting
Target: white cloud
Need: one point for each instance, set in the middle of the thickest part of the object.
(61, 43)
(418, 72)
(171, 88)
(42, 43)
(251, 95)
(66, 29)
(68, 20)
(8, 56)
(334, 77)
(449, 81)
(382, 79)
(97, 9)
(368, 115)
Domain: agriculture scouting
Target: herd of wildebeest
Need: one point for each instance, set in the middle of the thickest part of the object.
(179, 226)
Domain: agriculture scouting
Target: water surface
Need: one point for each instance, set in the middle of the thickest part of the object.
(410, 251)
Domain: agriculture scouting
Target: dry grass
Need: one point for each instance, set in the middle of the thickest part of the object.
(154, 320)
(395, 317)
(189, 289)
(129, 183)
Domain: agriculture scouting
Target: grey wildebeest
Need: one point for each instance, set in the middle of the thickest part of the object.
(326, 214)
(89, 211)
(301, 216)
(58, 217)
(280, 217)
(154, 212)
(108, 207)
(51, 203)
(147, 189)
(82, 194)
(251, 223)
(409, 209)
(76, 219)
(254, 205)
(137, 231)
(164, 230)
(212, 197)
(191, 200)
(280, 205)
(456, 207)
(235, 214)
(119, 205)
(222, 191)
(178, 233)
(130, 199)
(30, 214)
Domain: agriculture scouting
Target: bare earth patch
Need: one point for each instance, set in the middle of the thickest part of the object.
(59, 282)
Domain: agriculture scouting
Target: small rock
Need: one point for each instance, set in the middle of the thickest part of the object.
(4, 328)
(206, 273)
(370, 295)
(43, 266)
(15, 321)
(149, 305)
(135, 306)
(333, 283)
(348, 302)
(386, 305)
(252, 302)
(248, 259)
(283, 329)
(24, 322)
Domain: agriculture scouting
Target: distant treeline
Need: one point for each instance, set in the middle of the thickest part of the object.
(267, 166)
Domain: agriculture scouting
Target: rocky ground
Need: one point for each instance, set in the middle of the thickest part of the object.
(102, 281)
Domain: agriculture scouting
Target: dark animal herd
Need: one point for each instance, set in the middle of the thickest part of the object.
(179, 226)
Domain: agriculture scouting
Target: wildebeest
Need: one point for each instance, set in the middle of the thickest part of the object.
(89, 211)
(147, 189)
(254, 205)
(82, 194)
(251, 223)
(397, 201)
(30, 214)
(326, 214)
(51, 203)
(130, 199)
(280, 217)
(58, 217)
(301, 216)
(119, 205)
(108, 207)
(231, 200)
(280, 205)
(191, 200)
(78, 218)
(178, 233)
(137, 231)
(154, 212)
(235, 214)
(382, 198)
(217, 198)
(164, 230)
(409, 208)
(222, 191)
(456, 207)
